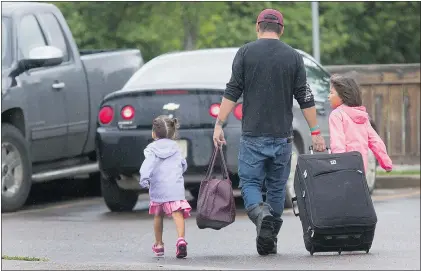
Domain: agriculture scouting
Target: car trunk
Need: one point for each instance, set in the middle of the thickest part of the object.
(191, 107)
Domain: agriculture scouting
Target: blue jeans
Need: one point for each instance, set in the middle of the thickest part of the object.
(264, 159)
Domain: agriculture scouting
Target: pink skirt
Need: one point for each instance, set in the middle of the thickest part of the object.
(160, 208)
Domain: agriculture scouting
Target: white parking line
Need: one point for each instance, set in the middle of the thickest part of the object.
(75, 203)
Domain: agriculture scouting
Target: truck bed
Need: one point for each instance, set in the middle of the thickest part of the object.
(106, 71)
(109, 70)
(98, 51)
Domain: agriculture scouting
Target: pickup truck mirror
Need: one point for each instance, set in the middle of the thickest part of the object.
(43, 56)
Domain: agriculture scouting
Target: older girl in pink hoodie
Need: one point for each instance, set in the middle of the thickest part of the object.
(349, 124)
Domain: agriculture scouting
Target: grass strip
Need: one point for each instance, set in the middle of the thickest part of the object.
(23, 258)
(399, 172)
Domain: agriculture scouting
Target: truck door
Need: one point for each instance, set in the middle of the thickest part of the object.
(47, 118)
(72, 77)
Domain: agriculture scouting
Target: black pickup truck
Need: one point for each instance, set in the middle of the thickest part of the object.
(50, 98)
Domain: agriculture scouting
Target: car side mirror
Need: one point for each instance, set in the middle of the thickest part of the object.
(43, 56)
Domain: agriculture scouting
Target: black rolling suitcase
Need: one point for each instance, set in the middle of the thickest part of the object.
(334, 204)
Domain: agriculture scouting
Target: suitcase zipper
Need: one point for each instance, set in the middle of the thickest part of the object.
(343, 170)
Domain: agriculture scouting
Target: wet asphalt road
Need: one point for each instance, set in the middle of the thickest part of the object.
(82, 234)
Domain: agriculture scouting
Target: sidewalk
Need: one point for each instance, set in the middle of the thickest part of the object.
(402, 176)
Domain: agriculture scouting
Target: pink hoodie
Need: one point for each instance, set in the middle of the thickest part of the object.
(350, 130)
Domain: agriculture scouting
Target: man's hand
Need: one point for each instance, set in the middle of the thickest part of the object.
(319, 144)
(218, 134)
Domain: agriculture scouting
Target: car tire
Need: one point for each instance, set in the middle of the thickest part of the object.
(289, 194)
(13, 140)
(194, 192)
(117, 199)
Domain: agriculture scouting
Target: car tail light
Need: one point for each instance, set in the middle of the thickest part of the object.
(127, 113)
(105, 115)
(238, 111)
(214, 110)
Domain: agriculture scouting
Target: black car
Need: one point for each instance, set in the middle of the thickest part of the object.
(189, 86)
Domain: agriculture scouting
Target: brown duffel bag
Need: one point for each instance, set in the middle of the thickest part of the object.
(215, 204)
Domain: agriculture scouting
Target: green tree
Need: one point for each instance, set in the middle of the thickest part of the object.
(351, 32)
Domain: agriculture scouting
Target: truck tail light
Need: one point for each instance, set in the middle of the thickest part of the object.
(105, 115)
(214, 110)
(238, 111)
(127, 113)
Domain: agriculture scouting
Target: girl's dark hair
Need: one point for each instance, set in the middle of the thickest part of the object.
(347, 89)
(165, 127)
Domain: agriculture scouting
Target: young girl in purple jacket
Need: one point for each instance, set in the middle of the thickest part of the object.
(162, 172)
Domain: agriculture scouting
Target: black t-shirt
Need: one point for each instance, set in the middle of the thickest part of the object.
(269, 73)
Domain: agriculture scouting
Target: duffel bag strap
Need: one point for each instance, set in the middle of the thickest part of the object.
(223, 164)
(212, 164)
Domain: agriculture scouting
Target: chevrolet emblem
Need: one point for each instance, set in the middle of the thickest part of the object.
(171, 106)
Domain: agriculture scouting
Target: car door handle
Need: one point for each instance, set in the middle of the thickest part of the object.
(58, 85)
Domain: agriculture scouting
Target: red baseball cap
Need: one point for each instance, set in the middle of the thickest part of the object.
(271, 16)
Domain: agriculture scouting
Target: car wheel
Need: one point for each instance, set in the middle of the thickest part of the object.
(371, 171)
(16, 169)
(117, 199)
(195, 192)
(290, 193)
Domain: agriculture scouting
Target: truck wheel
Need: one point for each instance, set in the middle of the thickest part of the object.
(16, 169)
(290, 193)
(94, 184)
(117, 199)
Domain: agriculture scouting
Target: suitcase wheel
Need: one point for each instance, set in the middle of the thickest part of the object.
(367, 250)
(312, 250)
(340, 251)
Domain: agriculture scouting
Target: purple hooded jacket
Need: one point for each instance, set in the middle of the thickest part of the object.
(162, 171)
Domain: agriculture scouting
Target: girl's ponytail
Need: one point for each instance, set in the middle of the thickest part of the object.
(175, 123)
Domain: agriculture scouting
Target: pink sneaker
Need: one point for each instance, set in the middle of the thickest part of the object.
(181, 248)
(159, 251)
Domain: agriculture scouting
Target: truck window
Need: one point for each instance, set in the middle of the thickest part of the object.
(317, 78)
(54, 33)
(6, 48)
(29, 35)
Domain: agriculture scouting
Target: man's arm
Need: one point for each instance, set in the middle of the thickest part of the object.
(310, 116)
(234, 88)
(303, 95)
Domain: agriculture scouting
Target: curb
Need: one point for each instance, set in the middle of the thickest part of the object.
(397, 181)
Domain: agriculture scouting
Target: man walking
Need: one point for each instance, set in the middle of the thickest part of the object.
(269, 73)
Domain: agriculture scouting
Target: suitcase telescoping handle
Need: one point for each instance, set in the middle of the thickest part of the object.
(294, 199)
(311, 150)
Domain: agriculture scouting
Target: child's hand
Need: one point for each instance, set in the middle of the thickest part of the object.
(144, 184)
